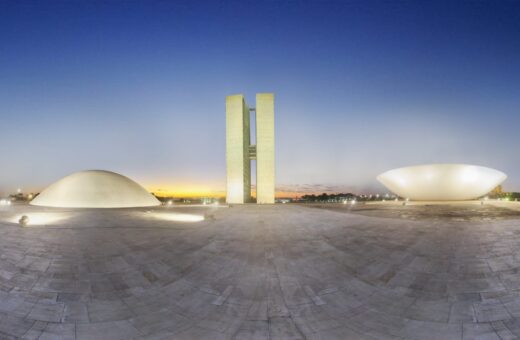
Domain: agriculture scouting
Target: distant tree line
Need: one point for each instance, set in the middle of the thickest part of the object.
(328, 197)
(510, 196)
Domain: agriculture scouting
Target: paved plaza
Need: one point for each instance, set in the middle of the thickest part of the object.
(282, 271)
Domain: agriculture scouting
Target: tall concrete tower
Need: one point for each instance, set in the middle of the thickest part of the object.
(240, 152)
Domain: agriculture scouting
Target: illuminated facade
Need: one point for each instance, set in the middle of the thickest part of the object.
(95, 189)
(240, 152)
(442, 182)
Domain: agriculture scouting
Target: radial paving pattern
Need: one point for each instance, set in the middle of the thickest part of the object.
(258, 272)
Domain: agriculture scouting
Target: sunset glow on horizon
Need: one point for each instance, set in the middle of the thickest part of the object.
(197, 191)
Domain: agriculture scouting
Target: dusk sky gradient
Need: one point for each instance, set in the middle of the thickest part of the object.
(138, 87)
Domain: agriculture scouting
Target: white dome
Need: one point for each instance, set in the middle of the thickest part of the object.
(95, 189)
(442, 182)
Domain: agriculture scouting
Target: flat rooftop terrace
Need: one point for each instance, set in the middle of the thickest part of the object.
(476, 211)
(286, 271)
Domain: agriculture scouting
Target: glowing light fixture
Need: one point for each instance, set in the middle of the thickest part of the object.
(175, 217)
(39, 219)
(24, 220)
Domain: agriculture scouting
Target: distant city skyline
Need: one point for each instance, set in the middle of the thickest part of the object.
(361, 87)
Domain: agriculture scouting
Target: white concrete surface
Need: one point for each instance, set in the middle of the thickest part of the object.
(240, 152)
(95, 189)
(442, 182)
(238, 165)
(265, 175)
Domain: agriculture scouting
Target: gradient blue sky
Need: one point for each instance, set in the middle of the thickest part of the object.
(361, 87)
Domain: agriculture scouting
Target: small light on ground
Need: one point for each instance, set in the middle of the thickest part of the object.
(24, 220)
(178, 217)
(36, 219)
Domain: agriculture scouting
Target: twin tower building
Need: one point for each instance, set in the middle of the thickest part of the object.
(241, 149)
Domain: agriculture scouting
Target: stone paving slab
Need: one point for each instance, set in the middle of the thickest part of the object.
(262, 272)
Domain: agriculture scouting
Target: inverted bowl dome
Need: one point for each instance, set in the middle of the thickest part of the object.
(95, 189)
(442, 182)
